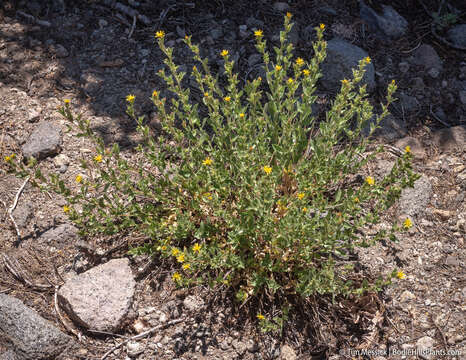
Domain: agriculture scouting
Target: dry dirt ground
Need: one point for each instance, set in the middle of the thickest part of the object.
(94, 56)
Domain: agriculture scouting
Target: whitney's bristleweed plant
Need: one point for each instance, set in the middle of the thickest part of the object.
(255, 195)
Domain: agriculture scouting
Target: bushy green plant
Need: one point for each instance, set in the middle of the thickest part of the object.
(255, 195)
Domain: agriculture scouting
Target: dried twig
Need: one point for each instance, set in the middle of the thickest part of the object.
(141, 335)
(13, 267)
(57, 310)
(132, 27)
(10, 209)
(438, 119)
(33, 19)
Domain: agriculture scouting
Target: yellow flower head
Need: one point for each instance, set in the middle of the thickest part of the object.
(79, 178)
(206, 94)
(130, 98)
(278, 67)
(304, 209)
(258, 33)
(160, 34)
(66, 208)
(356, 199)
(407, 149)
(299, 62)
(224, 53)
(289, 15)
(164, 247)
(345, 81)
(180, 258)
(267, 169)
(155, 93)
(322, 26)
(98, 158)
(367, 60)
(407, 223)
(290, 81)
(176, 276)
(227, 98)
(370, 180)
(67, 101)
(306, 72)
(260, 316)
(196, 247)
(175, 251)
(401, 275)
(186, 266)
(207, 161)
(241, 115)
(393, 82)
(301, 196)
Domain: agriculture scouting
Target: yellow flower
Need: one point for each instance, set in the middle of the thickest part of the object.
(176, 276)
(260, 316)
(196, 248)
(304, 209)
(130, 98)
(407, 149)
(160, 34)
(7, 158)
(306, 72)
(186, 266)
(227, 98)
(79, 178)
(393, 82)
(206, 94)
(278, 67)
(66, 208)
(345, 81)
(367, 60)
(175, 251)
(356, 199)
(180, 258)
(370, 180)
(288, 15)
(290, 81)
(267, 169)
(258, 33)
(322, 26)
(98, 158)
(301, 196)
(207, 161)
(155, 93)
(224, 53)
(407, 223)
(400, 275)
(164, 247)
(67, 101)
(299, 62)
(241, 115)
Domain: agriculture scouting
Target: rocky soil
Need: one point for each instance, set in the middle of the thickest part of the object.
(64, 297)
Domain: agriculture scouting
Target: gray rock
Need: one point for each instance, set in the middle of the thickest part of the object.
(281, 6)
(327, 10)
(434, 73)
(462, 96)
(58, 50)
(403, 66)
(342, 58)
(451, 139)
(193, 303)
(60, 236)
(101, 297)
(407, 296)
(287, 353)
(254, 23)
(390, 128)
(216, 33)
(34, 116)
(426, 56)
(424, 346)
(413, 201)
(22, 214)
(27, 335)
(254, 59)
(416, 147)
(388, 25)
(408, 103)
(133, 349)
(45, 140)
(457, 35)
(9, 355)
